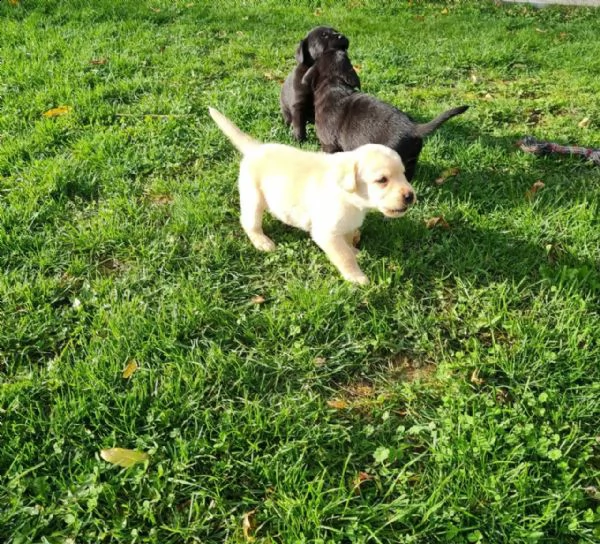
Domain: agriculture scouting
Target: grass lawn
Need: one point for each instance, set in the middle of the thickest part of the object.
(454, 399)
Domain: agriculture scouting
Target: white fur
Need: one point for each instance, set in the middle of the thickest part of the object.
(326, 195)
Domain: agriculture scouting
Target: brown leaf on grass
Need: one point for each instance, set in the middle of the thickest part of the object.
(444, 11)
(437, 222)
(502, 396)
(593, 492)
(337, 404)
(248, 526)
(318, 12)
(110, 265)
(14, 2)
(123, 457)
(584, 123)
(359, 479)
(58, 111)
(97, 62)
(161, 199)
(537, 186)
(130, 369)
(258, 299)
(534, 117)
(320, 361)
(357, 68)
(448, 173)
(475, 379)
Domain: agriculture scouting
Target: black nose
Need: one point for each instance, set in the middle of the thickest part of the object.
(409, 197)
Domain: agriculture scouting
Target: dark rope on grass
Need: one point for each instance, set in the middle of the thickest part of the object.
(531, 145)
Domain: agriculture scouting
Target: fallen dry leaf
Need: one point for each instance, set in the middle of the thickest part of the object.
(97, 62)
(585, 122)
(320, 361)
(448, 173)
(357, 68)
(130, 369)
(258, 299)
(488, 96)
(338, 404)
(56, 112)
(359, 479)
(318, 12)
(476, 379)
(123, 457)
(248, 526)
(593, 492)
(161, 199)
(502, 396)
(14, 2)
(444, 11)
(437, 222)
(537, 186)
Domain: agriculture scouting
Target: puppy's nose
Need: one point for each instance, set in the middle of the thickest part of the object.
(409, 198)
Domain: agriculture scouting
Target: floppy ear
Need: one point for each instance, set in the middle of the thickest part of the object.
(302, 54)
(309, 76)
(350, 78)
(349, 179)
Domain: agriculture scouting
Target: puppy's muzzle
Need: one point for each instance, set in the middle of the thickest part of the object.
(341, 42)
(408, 199)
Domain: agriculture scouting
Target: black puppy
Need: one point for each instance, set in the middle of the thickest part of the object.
(346, 119)
(296, 98)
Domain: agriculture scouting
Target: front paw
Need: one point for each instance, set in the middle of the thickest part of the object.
(359, 279)
(299, 134)
(263, 243)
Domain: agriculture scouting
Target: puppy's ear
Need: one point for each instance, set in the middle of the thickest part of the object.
(309, 76)
(302, 54)
(349, 180)
(350, 78)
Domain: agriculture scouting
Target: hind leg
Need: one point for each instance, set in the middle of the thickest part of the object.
(252, 207)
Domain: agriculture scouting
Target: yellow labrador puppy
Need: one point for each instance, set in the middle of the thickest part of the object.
(326, 195)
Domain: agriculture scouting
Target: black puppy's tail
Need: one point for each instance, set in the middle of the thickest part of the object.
(428, 128)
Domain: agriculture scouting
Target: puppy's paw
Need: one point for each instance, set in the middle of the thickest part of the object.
(263, 243)
(359, 279)
(299, 134)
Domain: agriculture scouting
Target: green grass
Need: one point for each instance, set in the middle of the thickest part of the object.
(463, 383)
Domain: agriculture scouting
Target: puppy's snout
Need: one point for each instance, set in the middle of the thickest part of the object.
(409, 198)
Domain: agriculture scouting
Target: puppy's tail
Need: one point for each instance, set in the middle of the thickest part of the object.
(428, 128)
(239, 139)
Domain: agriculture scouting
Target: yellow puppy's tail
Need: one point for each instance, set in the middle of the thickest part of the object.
(242, 141)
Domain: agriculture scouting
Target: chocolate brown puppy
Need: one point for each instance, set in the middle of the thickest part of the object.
(296, 98)
(346, 119)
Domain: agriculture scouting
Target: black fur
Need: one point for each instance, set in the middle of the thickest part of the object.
(296, 98)
(346, 119)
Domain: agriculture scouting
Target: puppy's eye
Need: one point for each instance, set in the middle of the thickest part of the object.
(381, 181)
